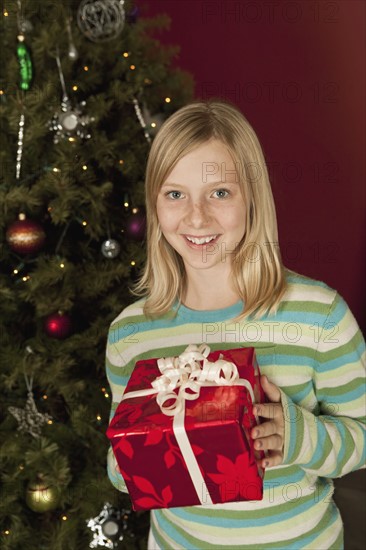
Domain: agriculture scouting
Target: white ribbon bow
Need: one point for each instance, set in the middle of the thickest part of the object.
(186, 374)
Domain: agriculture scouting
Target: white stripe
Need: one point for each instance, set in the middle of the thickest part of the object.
(309, 293)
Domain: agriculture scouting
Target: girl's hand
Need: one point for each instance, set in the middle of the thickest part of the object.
(269, 436)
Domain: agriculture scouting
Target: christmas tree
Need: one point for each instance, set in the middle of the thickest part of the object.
(84, 87)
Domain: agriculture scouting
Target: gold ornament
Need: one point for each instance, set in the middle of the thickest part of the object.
(41, 496)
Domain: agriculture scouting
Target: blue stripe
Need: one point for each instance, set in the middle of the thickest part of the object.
(319, 451)
(342, 398)
(116, 379)
(350, 357)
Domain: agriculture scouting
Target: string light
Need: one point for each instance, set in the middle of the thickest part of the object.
(75, 88)
(133, 263)
(72, 139)
(49, 422)
(26, 278)
(62, 266)
(15, 272)
(106, 394)
(153, 124)
(132, 67)
(121, 161)
(64, 518)
(44, 396)
(1, 92)
(7, 532)
(103, 390)
(86, 68)
(125, 54)
(21, 467)
(99, 417)
(56, 170)
(84, 223)
(6, 13)
(85, 167)
(135, 210)
(167, 100)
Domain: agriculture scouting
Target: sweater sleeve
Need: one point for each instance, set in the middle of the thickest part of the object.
(330, 440)
(117, 382)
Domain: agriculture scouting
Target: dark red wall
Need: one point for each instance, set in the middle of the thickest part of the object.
(296, 69)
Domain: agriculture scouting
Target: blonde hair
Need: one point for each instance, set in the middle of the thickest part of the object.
(260, 280)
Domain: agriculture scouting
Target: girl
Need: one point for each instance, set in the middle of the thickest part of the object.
(214, 275)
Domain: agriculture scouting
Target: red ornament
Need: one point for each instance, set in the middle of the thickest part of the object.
(25, 236)
(136, 225)
(58, 325)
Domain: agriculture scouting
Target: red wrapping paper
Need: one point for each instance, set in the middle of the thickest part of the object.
(218, 425)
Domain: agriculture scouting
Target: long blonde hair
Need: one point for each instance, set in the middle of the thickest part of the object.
(257, 270)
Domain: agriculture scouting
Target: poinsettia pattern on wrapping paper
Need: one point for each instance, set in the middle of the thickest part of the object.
(232, 478)
(145, 486)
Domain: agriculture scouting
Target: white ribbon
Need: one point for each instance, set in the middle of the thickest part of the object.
(188, 375)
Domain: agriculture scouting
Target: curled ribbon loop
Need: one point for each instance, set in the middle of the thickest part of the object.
(188, 373)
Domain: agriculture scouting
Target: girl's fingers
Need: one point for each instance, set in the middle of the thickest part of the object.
(274, 458)
(271, 443)
(269, 410)
(271, 390)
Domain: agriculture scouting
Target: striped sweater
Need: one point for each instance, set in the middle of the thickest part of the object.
(312, 348)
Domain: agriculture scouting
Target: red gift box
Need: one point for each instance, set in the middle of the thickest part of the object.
(181, 432)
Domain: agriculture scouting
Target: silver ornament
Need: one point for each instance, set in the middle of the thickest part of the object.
(107, 527)
(25, 26)
(30, 419)
(72, 53)
(20, 146)
(69, 121)
(101, 20)
(110, 249)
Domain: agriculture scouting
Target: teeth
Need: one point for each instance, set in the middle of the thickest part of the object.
(201, 241)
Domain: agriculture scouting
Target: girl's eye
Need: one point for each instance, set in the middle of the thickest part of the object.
(172, 193)
(223, 191)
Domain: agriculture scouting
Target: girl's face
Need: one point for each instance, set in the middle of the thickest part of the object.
(201, 201)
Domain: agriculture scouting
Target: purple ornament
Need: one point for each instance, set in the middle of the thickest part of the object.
(133, 15)
(136, 225)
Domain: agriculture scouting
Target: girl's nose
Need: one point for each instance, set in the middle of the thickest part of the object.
(198, 214)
